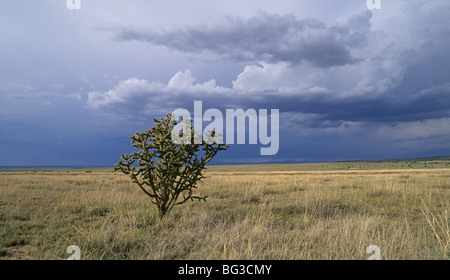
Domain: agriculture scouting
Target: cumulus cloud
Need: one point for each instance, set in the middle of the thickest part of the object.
(134, 96)
(133, 92)
(266, 77)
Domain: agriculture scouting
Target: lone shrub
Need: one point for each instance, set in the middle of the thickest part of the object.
(163, 169)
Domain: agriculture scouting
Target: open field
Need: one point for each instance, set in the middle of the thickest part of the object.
(310, 211)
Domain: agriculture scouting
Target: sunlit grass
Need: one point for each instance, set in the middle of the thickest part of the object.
(248, 215)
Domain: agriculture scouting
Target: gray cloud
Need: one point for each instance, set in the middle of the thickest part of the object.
(270, 38)
(396, 74)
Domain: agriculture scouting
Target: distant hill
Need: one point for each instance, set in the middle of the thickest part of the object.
(438, 158)
(403, 163)
(389, 164)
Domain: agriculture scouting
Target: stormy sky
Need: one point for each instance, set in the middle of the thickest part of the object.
(349, 82)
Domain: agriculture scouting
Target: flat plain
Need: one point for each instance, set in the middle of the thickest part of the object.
(258, 212)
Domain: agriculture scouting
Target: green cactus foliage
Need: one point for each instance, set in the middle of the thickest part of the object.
(168, 172)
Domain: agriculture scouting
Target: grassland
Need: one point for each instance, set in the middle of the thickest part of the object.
(299, 211)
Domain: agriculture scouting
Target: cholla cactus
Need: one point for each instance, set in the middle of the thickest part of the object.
(165, 170)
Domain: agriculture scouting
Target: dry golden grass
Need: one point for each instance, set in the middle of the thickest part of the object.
(248, 215)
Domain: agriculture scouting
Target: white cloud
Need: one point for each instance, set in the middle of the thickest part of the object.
(138, 95)
(184, 82)
(130, 91)
(181, 81)
(267, 77)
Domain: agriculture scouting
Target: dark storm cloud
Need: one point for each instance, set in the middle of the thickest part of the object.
(138, 98)
(270, 38)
